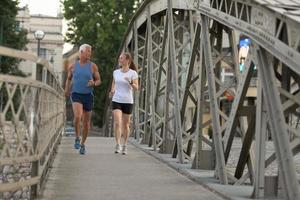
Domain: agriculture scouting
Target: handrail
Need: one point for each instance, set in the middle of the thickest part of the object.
(32, 117)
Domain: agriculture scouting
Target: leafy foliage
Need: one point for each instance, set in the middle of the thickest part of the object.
(11, 35)
(101, 24)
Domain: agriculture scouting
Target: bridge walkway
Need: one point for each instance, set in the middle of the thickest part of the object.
(102, 174)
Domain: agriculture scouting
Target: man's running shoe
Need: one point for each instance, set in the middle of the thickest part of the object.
(77, 143)
(82, 149)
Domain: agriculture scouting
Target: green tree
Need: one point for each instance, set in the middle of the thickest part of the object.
(11, 35)
(101, 24)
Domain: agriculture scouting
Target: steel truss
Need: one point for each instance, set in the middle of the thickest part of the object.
(182, 48)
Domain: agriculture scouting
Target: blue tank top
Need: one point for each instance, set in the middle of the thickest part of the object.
(81, 77)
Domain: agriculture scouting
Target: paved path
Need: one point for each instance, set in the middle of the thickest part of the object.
(101, 174)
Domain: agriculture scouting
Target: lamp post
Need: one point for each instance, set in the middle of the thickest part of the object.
(1, 40)
(39, 35)
(1, 35)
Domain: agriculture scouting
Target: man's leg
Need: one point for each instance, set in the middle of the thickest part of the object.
(117, 128)
(86, 125)
(77, 110)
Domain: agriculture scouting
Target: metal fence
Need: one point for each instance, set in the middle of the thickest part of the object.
(32, 118)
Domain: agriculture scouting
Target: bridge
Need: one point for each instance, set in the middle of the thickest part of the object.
(197, 110)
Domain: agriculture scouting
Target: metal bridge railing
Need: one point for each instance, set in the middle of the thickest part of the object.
(32, 115)
(181, 47)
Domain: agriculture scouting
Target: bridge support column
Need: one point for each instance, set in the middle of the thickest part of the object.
(277, 124)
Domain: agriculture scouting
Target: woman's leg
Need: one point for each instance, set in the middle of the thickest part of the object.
(126, 131)
(117, 125)
(125, 124)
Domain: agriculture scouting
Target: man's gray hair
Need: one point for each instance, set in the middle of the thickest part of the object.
(83, 47)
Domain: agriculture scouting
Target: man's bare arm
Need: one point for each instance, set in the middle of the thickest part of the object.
(69, 80)
(97, 80)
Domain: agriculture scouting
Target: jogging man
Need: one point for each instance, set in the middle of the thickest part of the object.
(82, 77)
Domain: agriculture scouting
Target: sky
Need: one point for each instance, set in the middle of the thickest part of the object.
(46, 7)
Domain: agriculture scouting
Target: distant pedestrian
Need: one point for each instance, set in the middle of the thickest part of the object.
(125, 81)
(83, 75)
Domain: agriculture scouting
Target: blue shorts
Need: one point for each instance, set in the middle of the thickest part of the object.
(87, 100)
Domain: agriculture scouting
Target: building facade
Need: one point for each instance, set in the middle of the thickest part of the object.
(51, 46)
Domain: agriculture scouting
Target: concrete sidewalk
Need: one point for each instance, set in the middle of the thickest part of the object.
(101, 174)
(203, 177)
